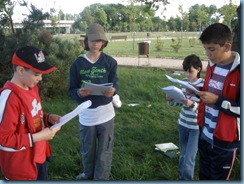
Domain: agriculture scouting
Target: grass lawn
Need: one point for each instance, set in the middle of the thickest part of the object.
(129, 47)
(137, 129)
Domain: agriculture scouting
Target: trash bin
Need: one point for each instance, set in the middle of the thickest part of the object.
(148, 35)
(143, 48)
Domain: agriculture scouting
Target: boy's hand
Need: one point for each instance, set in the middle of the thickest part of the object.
(189, 92)
(207, 97)
(84, 92)
(45, 134)
(109, 93)
(53, 118)
(169, 98)
(188, 102)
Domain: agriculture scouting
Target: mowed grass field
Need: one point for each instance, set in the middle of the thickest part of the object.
(190, 44)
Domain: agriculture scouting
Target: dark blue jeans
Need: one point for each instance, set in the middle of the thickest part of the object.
(42, 171)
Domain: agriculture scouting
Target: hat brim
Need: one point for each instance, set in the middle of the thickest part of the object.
(93, 37)
(43, 68)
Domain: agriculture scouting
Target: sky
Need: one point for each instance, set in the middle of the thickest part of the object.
(77, 6)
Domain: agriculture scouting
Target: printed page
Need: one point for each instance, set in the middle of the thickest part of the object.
(183, 83)
(64, 119)
(98, 89)
(175, 93)
(166, 146)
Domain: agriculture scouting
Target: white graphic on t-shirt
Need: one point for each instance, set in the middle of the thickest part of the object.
(36, 107)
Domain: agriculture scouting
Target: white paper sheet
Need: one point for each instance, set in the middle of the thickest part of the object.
(183, 83)
(98, 89)
(166, 146)
(64, 119)
(175, 93)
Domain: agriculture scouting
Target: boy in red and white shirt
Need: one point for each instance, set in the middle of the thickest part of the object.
(24, 131)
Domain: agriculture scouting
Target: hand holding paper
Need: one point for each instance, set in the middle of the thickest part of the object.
(175, 93)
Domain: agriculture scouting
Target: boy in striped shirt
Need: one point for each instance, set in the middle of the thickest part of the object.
(219, 108)
(187, 121)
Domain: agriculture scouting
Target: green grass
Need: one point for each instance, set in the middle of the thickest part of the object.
(129, 48)
(137, 129)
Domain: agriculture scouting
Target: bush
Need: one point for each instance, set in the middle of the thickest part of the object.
(159, 44)
(192, 42)
(176, 45)
(59, 52)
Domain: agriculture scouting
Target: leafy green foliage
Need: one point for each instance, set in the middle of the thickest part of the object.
(159, 44)
(192, 42)
(59, 52)
(176, 45)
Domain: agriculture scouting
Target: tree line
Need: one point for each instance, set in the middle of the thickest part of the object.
(121, 18)
(135, 18)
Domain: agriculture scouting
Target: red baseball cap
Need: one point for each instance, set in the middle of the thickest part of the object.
(32, 58)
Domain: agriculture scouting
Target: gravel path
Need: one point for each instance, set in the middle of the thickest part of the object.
(153, 62)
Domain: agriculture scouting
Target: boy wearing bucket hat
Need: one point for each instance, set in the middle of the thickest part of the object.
(24, 130)
(96, 122)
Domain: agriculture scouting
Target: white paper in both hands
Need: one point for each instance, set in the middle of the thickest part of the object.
(175, 93)
(64, 119)
(183, 83)
(98, 89)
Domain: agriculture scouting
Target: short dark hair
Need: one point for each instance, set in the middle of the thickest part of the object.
(86, 47)
(192, 61)
(217, 33)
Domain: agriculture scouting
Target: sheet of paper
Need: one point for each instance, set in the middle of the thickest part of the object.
(66, 118)
(175, 93)
(98, 89)
(183, 83)
(166, 146)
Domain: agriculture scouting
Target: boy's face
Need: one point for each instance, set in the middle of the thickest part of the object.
(96, 45)
(216, 53)
(29, 78)
(191, 74)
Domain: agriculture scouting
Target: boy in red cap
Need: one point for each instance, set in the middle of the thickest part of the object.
(24, 130)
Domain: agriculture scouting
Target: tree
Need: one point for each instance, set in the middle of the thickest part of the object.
(228, 12)
(34, 20)
(6, 13)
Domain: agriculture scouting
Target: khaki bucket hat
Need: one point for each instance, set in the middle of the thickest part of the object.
(95, 32)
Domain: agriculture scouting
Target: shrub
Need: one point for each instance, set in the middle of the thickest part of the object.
(59, 52)
(192, 42)
(159, 44)
(176, 45)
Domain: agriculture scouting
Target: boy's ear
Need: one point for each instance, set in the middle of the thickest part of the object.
(20, 70)
(199, 69)
(227, 46)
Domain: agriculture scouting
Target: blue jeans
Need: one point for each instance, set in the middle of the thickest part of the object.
(188, 151)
